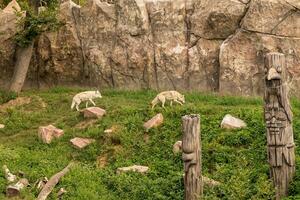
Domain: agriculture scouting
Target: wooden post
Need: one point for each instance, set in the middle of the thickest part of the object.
(191, 156)
(278, 119)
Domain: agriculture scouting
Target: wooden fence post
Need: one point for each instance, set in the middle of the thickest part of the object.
(191, 156)
(278, 119)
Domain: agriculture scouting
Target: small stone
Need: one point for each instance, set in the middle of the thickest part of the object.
(210, 182)
(2, 126)
(81, 143)
(177, 147)
(61, 192)
(154, 122)
(134, 168)
(230, 122)
(47, 133)
(108, 131)
(93, 112)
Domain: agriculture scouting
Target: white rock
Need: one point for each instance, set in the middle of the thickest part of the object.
(134, 168)
(2, 126)
(230, 122)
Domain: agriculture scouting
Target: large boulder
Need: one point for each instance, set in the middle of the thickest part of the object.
(276, 17)
(217, 19)
(97, 27)
(242, 62)
(58, 57)
(9, 18)
(168, 34)
(204, 65)
(132, 55)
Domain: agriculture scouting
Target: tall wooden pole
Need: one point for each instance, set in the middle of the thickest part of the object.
(278, 118)
(191, 156)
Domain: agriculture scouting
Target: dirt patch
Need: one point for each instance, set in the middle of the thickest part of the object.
(41, 102)
(86, 123)
(146, 138)
(20, 101)
(102, 161)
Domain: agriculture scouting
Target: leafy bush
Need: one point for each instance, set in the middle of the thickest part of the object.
(34, 24)
(6, 96)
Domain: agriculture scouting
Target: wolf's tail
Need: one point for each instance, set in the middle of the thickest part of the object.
(73, 105)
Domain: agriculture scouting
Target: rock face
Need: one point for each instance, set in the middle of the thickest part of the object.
(230, 122)
(197, 45)
(8, 28)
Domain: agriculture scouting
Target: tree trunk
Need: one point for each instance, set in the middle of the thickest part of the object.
(23, 57)
(278, 118)
(191, 156)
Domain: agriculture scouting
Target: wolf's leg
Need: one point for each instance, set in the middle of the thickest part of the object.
(178, 102)
(163, 101)
(77, 106)
(171, 103)
(91, 100)
(153, 105)
(87, 104)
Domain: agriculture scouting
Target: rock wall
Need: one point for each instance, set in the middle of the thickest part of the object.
(200, 45)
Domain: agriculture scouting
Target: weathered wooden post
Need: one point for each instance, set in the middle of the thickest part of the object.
(278, 118)
(191, 156)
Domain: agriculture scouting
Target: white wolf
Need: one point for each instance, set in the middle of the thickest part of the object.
(168, 95)
(85, 96)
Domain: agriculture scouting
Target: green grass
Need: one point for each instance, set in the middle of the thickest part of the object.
(236, 158)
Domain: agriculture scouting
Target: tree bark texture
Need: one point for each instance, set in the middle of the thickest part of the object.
(191, 156)
(278, 119)
(23, 57)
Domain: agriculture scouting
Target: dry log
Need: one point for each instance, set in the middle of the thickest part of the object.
(23, 57)
(47, 189)
(191, 156)
(14, 190)
(42, 183)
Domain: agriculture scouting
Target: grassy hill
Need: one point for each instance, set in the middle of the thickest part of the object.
(236, 158)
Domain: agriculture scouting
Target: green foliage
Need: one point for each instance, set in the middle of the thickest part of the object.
(35, 24)
(235, 158)
(6, 96)
(3, 3)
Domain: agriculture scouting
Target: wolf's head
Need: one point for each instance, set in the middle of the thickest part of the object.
(181, 98)
(98, 94)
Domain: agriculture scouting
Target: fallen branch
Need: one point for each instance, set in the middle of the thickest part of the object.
(47, 189)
